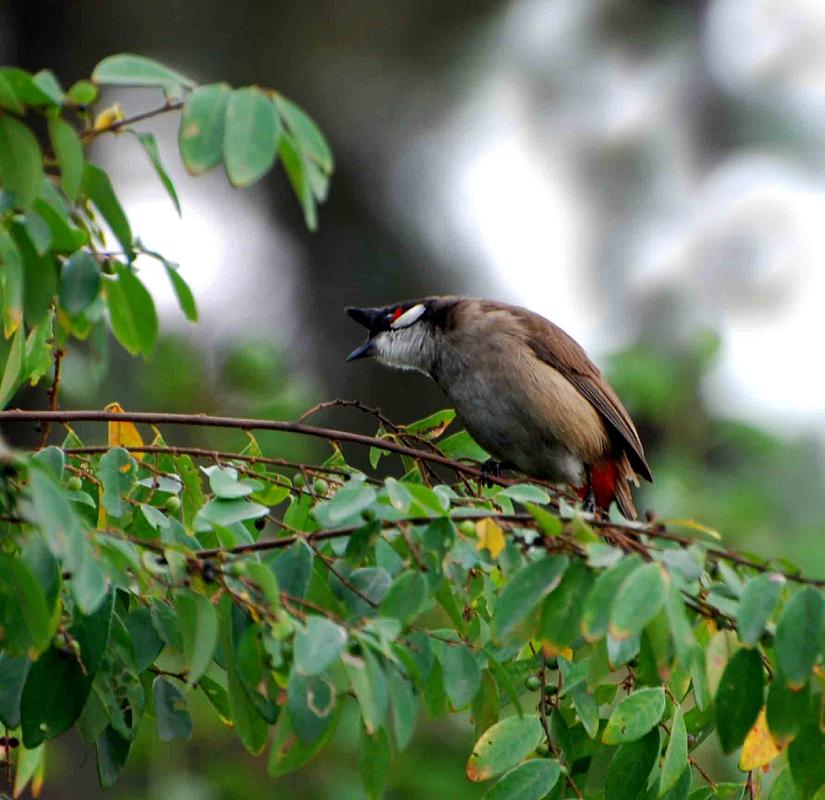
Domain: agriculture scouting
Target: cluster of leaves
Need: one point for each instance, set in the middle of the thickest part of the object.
(57, 277)
(593, 659)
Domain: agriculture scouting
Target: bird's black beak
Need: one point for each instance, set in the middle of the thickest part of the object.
(366, 317)
(361, 352)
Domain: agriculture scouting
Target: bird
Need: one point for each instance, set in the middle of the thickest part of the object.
(524, 389)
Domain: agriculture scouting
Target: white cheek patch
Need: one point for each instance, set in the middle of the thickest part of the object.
(410, 316)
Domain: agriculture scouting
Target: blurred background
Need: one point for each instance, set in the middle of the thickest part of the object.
(648, 174)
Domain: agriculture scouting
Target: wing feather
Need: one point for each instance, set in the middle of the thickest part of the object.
(556, 348)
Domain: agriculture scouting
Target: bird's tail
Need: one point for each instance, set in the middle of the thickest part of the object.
(610, 480)
(625, 474)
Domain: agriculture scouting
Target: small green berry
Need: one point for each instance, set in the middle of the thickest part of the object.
(237, 568)
(467, 527)
(543, 749)
(533, 683)
(320, 486)
(172, 503)
(298, 480)
(74, 484)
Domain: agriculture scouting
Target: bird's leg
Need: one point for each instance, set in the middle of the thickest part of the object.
(490, 469)
(589, 500)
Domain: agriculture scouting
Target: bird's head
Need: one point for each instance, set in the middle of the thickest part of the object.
(399, 335)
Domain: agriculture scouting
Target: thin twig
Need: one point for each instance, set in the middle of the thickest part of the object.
(52, 395)
(113, 127)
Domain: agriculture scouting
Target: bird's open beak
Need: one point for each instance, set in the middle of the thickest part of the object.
(367, 318)
(364, 316)
(361, 352)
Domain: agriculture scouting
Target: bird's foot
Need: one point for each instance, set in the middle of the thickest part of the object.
(490, 469)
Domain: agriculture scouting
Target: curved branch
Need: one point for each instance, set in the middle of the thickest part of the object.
(247, 424)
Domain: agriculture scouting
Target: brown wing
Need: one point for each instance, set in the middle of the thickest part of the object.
(553, 346)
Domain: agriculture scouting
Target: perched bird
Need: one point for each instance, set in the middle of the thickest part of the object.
(523, 389)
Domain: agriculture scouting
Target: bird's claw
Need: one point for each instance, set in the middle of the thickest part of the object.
(490, 469)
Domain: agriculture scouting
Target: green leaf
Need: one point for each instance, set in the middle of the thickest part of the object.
(39, 278)
(201, 132)
(525, 493)
(739, 698)
(530, 781)
(250, 138)
(562, 609)
(676, 755)
(805, 758)
(296, 170)
(172, 718)
(79, 282)
(635, 715)
(58, 684)
(46, 81)
(783, 787)
(631, 766)
(13, 368)
(21, 163)
(369, 683)
(596, 612)
(293, 568)
(345, 504)
(63, 529)
(186, 300)
(150, 145)
(404, 708)
(249, 725)
(798, 637)
(680, 628)
(145, 639)
(18, 89)
(89, 584)
(525, 591)
(462, 446)
(112, 752)
(374, 762)
(225, 484)
(125, 69)
(199, 632)
(117, 471)
(82, 93)
(289, 752)
(97, 185)
(13, 673)
(132, 312)
(27, 618)
(785, 709)
(69, 152)
(217, 696)
(503, 746)
(11, 281)
(462, 677)
(317, 645)
(640, 598)
(433, 425)
(758, 600)
(371, 585)
(305, 132)
(405, 597)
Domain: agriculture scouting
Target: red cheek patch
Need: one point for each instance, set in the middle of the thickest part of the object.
(397, 313)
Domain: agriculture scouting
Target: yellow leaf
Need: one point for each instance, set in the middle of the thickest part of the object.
(490, 536)
(693, 525)
(759, 748)
(123, 434)
(552, 650)
(107, 117)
